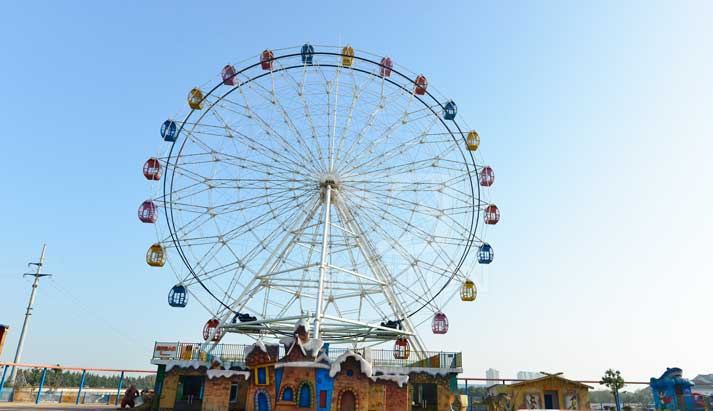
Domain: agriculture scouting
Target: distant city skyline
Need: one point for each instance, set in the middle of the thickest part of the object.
(492, 375)
(528, 375)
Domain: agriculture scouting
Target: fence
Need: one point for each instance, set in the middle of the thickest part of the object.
(236, 353)
(79, 395)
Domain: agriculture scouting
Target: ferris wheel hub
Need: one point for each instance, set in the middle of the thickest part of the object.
(329, 180)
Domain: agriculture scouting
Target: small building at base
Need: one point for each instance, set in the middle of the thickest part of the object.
(552, 391)
(300, 374)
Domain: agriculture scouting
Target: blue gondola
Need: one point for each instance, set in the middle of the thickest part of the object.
(178, 296)
(485, 254)
(450, 110)
(169, 130)
(307, 54)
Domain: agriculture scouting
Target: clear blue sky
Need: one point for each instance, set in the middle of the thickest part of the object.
(597, 118)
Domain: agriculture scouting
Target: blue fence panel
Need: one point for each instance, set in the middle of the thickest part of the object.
(6, 394)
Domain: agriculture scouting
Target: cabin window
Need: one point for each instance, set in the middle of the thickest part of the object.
(234, 392)
(262, 376)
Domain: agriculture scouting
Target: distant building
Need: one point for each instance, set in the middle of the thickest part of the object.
(528, 375)
(703, 384)
(492, 375)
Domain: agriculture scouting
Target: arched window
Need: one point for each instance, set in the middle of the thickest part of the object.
(287, 394)
(305, 398)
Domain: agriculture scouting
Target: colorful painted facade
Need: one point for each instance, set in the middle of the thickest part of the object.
(548, 392)
(672, 392)
(301, 374)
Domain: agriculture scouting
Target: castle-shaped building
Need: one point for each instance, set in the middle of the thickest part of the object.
(300, 374)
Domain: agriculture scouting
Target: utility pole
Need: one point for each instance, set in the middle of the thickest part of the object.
(37, 274)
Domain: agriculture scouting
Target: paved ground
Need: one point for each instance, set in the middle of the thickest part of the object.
(26, 406)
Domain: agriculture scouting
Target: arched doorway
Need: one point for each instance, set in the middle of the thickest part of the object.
(262, 403)
(347, 402)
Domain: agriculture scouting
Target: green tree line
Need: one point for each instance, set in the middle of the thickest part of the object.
(58, 378)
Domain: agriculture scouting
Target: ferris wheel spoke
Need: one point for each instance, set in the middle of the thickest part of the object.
(398, 149)
(390, 131)
(399, 222)
(364, 131)
(297, 161)
(271, 132)
(289, 121)
(428, 238)
(375, 227)
(356, 93)
(425, 210)
(373, 260)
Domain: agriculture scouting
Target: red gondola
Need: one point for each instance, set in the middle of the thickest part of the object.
(439, 325)
(148, 212)
(152, 169)
(492, 214)
(421, 85)
(386, 66)
(487, 176)
(266, 59)
(228, 75)
(211, 331)
(402, 349)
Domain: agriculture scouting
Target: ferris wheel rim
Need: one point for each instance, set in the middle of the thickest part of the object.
(468, 159)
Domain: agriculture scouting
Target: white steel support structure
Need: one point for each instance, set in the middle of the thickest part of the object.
(325, 257)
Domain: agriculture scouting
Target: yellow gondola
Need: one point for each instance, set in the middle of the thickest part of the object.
(156, 256)
(347, 56)
(195, 99)
(472, 141)
(468, 292)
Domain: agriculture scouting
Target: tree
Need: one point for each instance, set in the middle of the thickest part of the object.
(614, 381)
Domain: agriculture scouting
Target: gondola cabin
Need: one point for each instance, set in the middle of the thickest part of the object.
(266, 59)
(421, 85)
(487, 176)
(450, 110)
(439, 325)
(468, 291)
(178, 296)
(486, 254)
(402, 349)
(307, 54)
(347, 56)
(229, 75)
(148, 212)
(386, 66)
(195, 99)
(211, 332)
(472, 141)
(492, 214)
(156, 255)
(169, 130)
(152, 169)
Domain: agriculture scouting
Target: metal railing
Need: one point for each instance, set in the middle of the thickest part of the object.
(236, 353)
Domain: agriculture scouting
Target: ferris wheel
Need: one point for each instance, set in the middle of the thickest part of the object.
(323, 187)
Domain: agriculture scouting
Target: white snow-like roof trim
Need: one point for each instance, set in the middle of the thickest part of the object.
(435, 372)
(259, 344)
(366, 368)
(302, 364)
(400, 380)
(313, 345)
(170, 364)
(226, 374)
